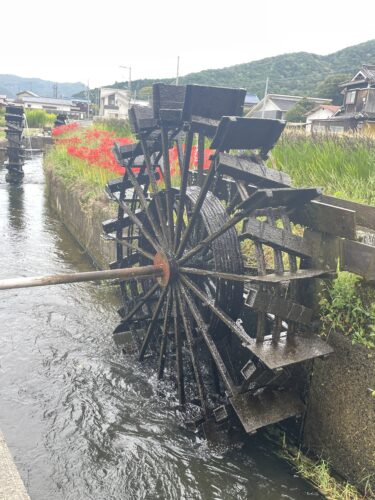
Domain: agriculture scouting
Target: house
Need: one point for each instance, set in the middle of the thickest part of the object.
(358, 110)
(276, 106)
(113, 103)
(51, 105)
(3, 100)
(250, 101)
(321, 112)
(25, 93)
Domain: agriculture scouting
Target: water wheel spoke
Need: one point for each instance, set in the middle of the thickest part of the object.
(212, 237)
(193, 352)
(216, 274)
(141, 227)
(168, 184)
(178, 347)
(227, 320)
(143, 201)
(153, 324)
(135, 249)
(164, 338)
(184, 183)
(142, 300)
(203, 328)
(196, 210)
(155, 190)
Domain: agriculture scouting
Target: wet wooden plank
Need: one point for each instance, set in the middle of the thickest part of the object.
(290, 198)
(289, 350)
(358, 258)
(279, 306)
(365, 214)
(266, 408)
(278, 238)
(112, 225)
(326, 219)
(247, 169)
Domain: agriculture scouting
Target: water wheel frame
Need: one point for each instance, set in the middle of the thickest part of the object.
(192, 317)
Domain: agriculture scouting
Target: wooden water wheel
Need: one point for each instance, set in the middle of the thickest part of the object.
(226, 320)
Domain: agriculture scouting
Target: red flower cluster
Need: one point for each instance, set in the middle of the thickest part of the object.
(173, 159)
(95, 147)
(63, 129)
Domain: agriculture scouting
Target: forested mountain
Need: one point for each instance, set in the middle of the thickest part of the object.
(11, 84)
(299, 73)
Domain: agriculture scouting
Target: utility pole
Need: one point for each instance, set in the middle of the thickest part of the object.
(265, 97)
(178, 69)
(129, 81)
(88, 100)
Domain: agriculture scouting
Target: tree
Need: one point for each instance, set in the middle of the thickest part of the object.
(299, 110)
(329, 89)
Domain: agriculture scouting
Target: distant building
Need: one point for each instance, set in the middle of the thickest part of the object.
(3, 100)
(358, 110)
(51, 105)
(26, 94)
(276, 106)
(251, 100)
(114, 103)
(321, 112)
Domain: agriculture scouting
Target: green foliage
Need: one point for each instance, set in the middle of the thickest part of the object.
(328, 88)
(75, 173)
(2, 117)
(318, 472)
(297, 114)
(38, 118)
(145, 93)
(343, 165)
(299, 73)
(345, 309)
(120, 127)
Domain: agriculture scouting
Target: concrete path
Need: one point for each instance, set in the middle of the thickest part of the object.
(11, 485)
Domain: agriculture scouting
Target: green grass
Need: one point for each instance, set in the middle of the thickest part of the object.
(343, 166)
(120, 127)
(349, 308)
(318, 473)
(76, 172)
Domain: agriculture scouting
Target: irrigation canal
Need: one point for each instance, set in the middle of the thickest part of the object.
(82, 420)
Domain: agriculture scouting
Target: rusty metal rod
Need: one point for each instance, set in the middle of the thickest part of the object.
(59, 279)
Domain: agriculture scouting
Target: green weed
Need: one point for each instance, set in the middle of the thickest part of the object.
(343, 166)
(347, 308)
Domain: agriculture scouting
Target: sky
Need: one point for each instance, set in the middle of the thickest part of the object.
(70, 41)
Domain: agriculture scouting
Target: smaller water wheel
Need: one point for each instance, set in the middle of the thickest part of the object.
(227, 332)
(15, 121)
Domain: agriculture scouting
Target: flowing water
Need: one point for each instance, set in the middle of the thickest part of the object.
(82, 420)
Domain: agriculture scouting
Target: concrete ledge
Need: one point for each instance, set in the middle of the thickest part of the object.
(11, 484)
(340, 420)
(85, 224)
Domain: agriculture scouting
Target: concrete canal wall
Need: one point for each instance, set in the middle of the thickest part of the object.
(340, 419)
(340, 423)
(11, 485)
(83, 220)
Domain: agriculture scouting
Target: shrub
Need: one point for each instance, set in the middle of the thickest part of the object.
(38, 118)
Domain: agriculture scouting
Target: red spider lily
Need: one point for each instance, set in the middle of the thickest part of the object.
(94, 146)
(63, 129)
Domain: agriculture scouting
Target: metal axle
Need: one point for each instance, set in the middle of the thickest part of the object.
(59, 279)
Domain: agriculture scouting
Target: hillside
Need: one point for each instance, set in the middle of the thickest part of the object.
(298, 73)
(11, 84)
